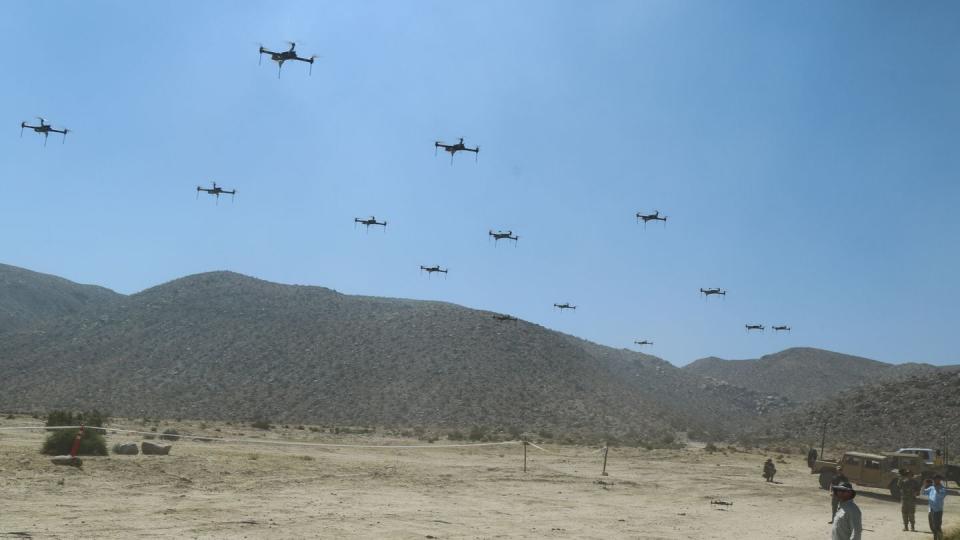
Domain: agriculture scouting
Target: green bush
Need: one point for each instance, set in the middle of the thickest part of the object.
(260, 424)
(477, 433)
(455, 435)
(710, 447)
(60, 442)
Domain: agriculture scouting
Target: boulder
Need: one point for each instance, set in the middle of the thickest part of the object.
(66, 460)
(154, 449)
(126, 449)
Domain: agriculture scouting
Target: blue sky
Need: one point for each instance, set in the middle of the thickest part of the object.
(806, 153)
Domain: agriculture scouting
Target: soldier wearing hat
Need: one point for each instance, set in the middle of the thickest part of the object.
(909, 488)
(847, 522)
(769, 469)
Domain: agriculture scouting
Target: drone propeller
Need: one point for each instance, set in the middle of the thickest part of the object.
(22, 125)
(65, 131)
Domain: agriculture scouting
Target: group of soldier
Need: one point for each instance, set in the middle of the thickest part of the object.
(846, 518)
(845, 515)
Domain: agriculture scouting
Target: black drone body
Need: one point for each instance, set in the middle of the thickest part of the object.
(713, 291)
(503, 235)
(563, 306)
(750, 327)
(454, 148)
(783, 328)
(44, 129)
(505, 318)
(217, 191)
(643, 342)
(655, 216)
(370, 221)
(281, 57)
(432, 269)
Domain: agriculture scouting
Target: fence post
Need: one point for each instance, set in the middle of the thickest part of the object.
(524, 456)
(605, 450)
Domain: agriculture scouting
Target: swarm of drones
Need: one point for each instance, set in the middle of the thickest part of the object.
(280, 57)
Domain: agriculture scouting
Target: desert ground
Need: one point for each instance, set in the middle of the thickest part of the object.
(248, 490)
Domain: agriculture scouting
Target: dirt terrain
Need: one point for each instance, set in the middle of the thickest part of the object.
(245, 490)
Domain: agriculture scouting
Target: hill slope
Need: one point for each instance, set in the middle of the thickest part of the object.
(222, 345)
(28, 298)
(918, 411)
(806, 374)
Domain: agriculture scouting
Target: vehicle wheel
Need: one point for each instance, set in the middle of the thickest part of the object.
(895, 490)
(825, 477)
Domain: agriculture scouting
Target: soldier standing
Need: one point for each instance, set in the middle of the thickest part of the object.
(909, 488)
(811, 457)
(769, 469)
(838, 478)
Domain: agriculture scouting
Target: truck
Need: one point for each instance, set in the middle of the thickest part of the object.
(873, 470)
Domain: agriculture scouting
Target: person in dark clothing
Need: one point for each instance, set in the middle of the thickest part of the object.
(811, 457)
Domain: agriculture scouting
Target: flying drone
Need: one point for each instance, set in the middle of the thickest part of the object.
(716, 290)
(454, 148)
(281, 57)
(565, 305)
(750, 327)
(431, 269)
(504, 318)
(503, 235)
(216, 191)
(655, 216)
(779, 328)
(370, 221)
(643, 342)
(44, 128)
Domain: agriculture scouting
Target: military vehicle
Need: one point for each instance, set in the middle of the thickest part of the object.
(873, 470)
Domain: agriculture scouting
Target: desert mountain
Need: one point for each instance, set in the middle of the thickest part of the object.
(225, 346)
(807, 374)
(917, 411)
(28, 298)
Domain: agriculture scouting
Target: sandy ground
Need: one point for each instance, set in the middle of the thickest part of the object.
(230, 490)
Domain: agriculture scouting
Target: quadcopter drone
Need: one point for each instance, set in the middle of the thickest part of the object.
(563, 306)
(431, 269)
(655, 216)
(750, 327)
(370, 221)
(783, 327)
(44, 128)
(216, 191)
(643, 342)
(708, 292)
(281, 57)
(503, 235)
(504, 318)
(454, 148)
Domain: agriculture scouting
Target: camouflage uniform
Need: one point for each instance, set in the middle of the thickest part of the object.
(909, 488)
(769, 469)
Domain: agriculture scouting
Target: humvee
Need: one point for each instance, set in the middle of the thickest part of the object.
(872, 470)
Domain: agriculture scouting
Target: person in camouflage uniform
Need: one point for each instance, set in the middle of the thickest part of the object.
(909, 488)
(769, 469)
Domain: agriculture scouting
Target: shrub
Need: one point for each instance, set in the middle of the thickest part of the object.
(545, 434)
(260, 424)
(514, 432)
(91, 419)
(170, 435)
(455, 435)
(477, 433)
(10, 417)
(60, 443)
(710, 447)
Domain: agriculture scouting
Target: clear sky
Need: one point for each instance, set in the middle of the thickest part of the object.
(806, 153)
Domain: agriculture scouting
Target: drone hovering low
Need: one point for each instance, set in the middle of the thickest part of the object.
(44, 128)
(655, 216)
(370, 221)
(563, 306)
(503, 235)
(504, 318)
(431, 269)
(783, 328)
(750, 327)
(709, 292)
(454, 148)
(281, 57)
(643, 342)
(216, 191)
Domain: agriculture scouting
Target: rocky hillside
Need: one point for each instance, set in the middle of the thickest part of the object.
(806, 374)
(917, 411)
(225, 346)
(28, 298)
